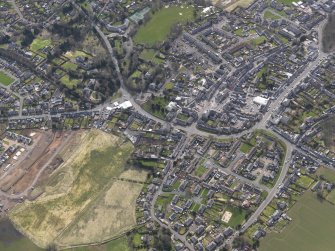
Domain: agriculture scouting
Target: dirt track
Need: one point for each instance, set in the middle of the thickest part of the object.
(21, 179)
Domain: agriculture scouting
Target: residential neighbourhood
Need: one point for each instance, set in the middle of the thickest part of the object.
(228, 108)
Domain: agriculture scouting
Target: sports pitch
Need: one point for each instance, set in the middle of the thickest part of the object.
(159, 26)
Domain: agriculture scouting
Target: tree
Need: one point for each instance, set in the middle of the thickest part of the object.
(153, 107)
(195, 14)
(319, 196)
(28, 37)
(5, 39)
(255, 245)
(163, 240)
(67, 8)
(240, 242)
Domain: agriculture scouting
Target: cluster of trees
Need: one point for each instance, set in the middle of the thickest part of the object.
(265, 80)
(66, 30)
(241, 243)
(176, 30)
(67, 8)
(157, 107)
(162, 240)
(28, 36)
(72, 33)
(4, 39)
(157, 72)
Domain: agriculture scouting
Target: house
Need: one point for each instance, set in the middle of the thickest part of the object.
(258, 234)
(200, 230)
(188, 222)
(199, 247)
(219, 239)
(211, 246)
(228, 231)
(201, 209)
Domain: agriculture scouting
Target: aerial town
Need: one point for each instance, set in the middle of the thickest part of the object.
(165, 125)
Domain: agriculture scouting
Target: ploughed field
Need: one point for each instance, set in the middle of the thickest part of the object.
(89, 199)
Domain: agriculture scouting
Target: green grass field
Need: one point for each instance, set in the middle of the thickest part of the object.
(327, 173)
(238, 32)
(312, 228)
(245, 148)
(331, 197)
(160, 110)
(5, 79)
(70, 83)
(238, 216)
(150, 55)
(287, 2)
(305, 181)
(39, 43)
(200, 170)
(75, 54)
(159, 26)
(22, 244)
(258, 41)
(163, 200)
(69, 66)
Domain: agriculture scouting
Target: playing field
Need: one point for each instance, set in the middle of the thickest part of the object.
(85, 190)
(5, 79)
(159, 26)
(312, 228)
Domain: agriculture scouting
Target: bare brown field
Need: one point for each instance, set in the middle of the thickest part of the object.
(110, 216)
(20, 178)
(134, 174)
(39, 159)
